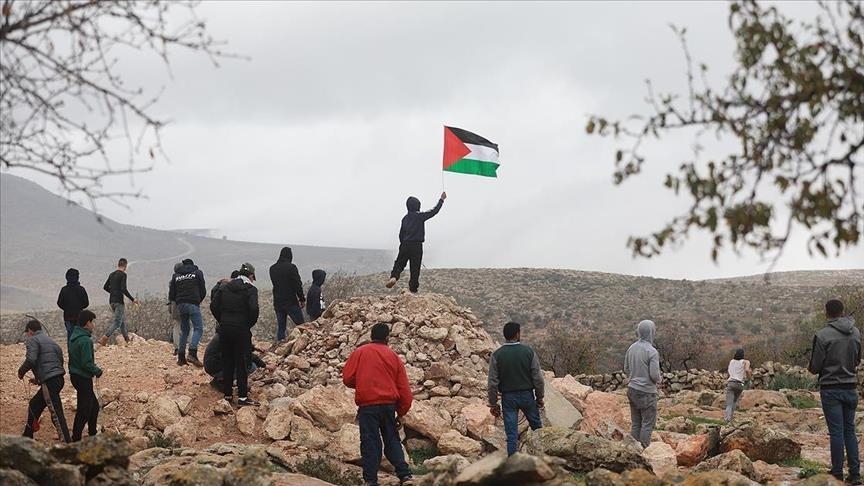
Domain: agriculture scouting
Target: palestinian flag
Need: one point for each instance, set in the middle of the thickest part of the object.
(469, 153)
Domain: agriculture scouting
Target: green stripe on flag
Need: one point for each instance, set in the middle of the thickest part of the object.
(476, 167)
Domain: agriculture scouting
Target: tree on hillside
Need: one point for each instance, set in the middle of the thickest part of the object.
(564, 348)
(791, 114)
(62, 97)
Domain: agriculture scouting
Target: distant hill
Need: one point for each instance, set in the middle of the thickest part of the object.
(41, 235)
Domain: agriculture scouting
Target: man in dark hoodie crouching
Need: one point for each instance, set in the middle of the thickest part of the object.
(288, 297)
(315, 298)
(412, 234)
(835, 358)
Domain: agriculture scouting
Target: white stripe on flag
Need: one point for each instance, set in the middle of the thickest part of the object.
(481, 152)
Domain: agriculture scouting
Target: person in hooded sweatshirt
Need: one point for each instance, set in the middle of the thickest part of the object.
(288, 296)
(187, 289)
(412, 234)
(235, 307)
(82, 369)
(173, 314)
(642, 366)
(72, 299)
(45, 359)
(315, 298)
(835, 358)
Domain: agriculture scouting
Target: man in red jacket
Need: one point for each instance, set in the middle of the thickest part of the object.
(382, 394)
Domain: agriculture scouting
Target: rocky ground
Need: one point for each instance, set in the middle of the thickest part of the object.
(165, 425)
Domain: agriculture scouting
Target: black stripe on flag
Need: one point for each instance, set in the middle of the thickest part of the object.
(472, 138)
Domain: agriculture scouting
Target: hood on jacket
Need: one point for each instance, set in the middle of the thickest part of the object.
(72, 276)
(413, 204)
(843, 324)
(79, 332)
(318, 277)
(645, 331)
(186, 268)
(235, 285)
(285, 255)
(177, 266)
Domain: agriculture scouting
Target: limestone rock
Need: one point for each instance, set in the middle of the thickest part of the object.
(303, 431)
(661, 457)
(184, 431)
(762, 399)
(572, 390)
(328, 406)
(733, 460)
(718, 478)
(426, 419)
(559, 411)
(184, 403)
(497, 468)
(163, 411)
(693, 449)
(759, 443)
(277, 425)
(584, 452)
(222, 407)
(348, 444)
(452, 442)
(247, 420)
(24, 454)
(606, 415)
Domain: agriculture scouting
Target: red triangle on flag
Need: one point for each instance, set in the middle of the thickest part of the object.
(454, 149)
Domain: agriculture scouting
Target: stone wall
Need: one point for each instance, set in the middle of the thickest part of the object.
(698, 380)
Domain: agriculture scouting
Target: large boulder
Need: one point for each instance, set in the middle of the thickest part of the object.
(332, 407)
(347, 444)
(762, 399)
(425, 419)
(303, 431)
(277, 425)
(247, 420)
(759, 443)
(661, 457)
(481, 425)
(497, 468)
(585, 452)
(559, 411)
(733, 460)
(606, 415)
(163, 411)
(718, 478)
(572, 390)
(25, 455)
(693, 449)
(184, 431)
(452, 442)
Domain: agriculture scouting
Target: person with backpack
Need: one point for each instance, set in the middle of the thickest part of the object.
(315, 298)
(288, 297)
(188, 289)
(116, 288)
(45, 359)
(82, 369)
(72, 299)
(412, 234)
(235, 307)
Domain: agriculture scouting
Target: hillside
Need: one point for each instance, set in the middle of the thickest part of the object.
(41, 235)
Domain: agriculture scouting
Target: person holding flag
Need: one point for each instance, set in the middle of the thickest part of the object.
(412, 234)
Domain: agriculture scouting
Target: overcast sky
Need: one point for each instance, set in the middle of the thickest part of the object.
(337, 118)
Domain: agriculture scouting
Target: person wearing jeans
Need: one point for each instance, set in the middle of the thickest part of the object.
(835, 356)
(739, 372)
(190, 314)
(514, 371)
(642, 366)
(187, 289)
(382, 395)
(116, 288)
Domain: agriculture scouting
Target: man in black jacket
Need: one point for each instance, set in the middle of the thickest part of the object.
(315, 298)
(116, 288)
(288, 298)
(835, 357)
(213, 362)
(412, 234)
(235, 307)
(45, 359)
(187, 289)
(72, 299)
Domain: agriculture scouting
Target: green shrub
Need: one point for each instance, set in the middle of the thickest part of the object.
(808, 467)
(705, 420)
(420, 455)
(792, 382)
(803, 402)
(325, 470)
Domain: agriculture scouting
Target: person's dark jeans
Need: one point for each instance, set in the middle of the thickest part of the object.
(409, 251)
(190, 312)
(234, 343)
(838, 406)
(511, 404)
(282, 314)
(69, 327)
(47, 395)
(119, 321)
(88, 407)
(643, 415)
(378, 422)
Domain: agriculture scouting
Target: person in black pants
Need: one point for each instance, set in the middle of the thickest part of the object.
(45, 358)
(82, 369)
(412, 234)
(72, 299)
(235, 307)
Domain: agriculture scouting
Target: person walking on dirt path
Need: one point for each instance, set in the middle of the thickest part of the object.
(173, 314)
(116, 288)
(82, 370)
(835, 357)
(315, 298)
(642, 366)
(45, 359)
(412, 234)
(235, 307)
(383, 396)
(514, 372)
(288, 296)
(739, 373)
(188, 290)
(72, 299)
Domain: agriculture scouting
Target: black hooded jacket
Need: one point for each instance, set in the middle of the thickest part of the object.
(235, 304)
(414, 223)
(72, 298)
(287, 285)
(187, 285)
(314, 299)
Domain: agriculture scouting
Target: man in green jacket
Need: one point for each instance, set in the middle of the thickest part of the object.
(82, 369)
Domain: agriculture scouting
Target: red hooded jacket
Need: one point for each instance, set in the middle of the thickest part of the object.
(378, 377)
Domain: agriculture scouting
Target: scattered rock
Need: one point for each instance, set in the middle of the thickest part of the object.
(184, 431)
(247, 420)
(759, 443)
(222, 407)
(452, 442)
(277, 425)
(733, 460)
(661, 457)
(331, 407)
(585, 452)
(163, 411)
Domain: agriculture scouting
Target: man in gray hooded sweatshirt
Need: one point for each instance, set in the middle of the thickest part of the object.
(642, 365)
(835, 358)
